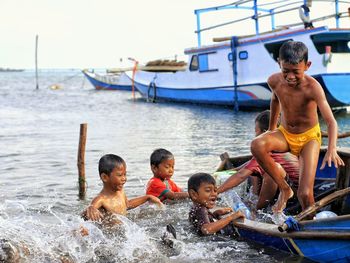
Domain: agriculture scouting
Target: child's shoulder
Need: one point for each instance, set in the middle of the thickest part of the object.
(274, 78)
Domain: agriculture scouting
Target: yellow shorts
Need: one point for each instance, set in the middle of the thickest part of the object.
(296, 142)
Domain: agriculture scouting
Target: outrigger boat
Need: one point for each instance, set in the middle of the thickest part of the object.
(321, 240)
(233, 72)
(109, 81)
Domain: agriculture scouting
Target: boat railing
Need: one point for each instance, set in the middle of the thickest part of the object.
(270, 9)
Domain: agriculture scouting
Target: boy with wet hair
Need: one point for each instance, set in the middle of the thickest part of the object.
(297, 97)
(263, 185)
(202, 191)
(160, 185)
(112, 198)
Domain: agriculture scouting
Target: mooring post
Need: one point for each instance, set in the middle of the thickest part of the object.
(36, 61)
(81, 160)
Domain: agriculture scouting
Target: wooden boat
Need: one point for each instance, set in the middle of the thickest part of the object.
(225, 72)
(109, 81)
(321, 240)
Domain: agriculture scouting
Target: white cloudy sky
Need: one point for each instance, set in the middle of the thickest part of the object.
(97, 33)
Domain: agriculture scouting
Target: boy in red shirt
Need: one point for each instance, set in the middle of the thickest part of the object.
(160, 185)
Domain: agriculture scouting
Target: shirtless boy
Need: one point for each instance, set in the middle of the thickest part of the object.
(297, 96)
(112, 199)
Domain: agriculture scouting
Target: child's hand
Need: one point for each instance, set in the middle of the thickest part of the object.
(237, 215)
(332, 156)
(93, 214)
(156, 201)
(223, 211)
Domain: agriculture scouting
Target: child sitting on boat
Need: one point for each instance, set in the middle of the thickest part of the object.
(160, 185)
(203, 193)
(263, 184)
(112, 199)
(297, 97)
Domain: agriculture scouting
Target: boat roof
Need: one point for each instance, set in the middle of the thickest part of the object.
(274, 35)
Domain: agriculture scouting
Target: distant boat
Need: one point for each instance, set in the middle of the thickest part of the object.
(234, 71)
(10, 70)
(108, 81)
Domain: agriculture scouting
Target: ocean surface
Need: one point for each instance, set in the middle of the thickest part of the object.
(39, 204)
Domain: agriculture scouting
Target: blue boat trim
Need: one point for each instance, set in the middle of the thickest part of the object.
(336, 87)
(212, 95)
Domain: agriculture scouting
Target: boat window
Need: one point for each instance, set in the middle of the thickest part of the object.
(201, 62)
(243, 55)
(274, 48)
(338, 41)
(194, 63)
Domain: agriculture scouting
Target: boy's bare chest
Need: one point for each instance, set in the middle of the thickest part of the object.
(292, 98)
(116, 205)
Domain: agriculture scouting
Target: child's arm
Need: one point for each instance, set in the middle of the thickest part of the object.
(275, 107)
(234, 180)
(135, 202)
(176, 195)
(222, 211)
(92, 211)
(332, 129)
(212, 228)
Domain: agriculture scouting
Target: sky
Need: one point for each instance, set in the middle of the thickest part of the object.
(98, 33)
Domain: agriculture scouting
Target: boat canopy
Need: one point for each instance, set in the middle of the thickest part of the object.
(338, 41)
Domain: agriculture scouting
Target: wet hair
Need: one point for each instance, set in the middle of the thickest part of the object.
(263, 120)
(195, 181)
(108, 162)
(293, 52)
(160, 155)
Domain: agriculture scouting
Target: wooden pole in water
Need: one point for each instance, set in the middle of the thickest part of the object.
(81, 160)
(36, 61)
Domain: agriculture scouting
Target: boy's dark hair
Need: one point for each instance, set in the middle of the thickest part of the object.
(159, 155)
(195, 181)
(263, 120)
(108, 162)
(293, 52)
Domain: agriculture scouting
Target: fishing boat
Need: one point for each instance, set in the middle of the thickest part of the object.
(321, 240)
(108, 81)
(233, 71)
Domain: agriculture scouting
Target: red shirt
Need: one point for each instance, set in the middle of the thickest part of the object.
(288, 161)
(159, 188)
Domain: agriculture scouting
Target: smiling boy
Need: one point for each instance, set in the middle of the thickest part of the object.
(112, 198)
(203, 193)
(297, 97)
(160, 185)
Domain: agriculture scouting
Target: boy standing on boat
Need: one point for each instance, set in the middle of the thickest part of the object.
(296, 96)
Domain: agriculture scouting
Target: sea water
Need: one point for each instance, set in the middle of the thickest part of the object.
(39, 204)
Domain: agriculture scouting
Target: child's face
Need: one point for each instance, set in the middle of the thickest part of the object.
(164, 170)
(294, 73)
(117, 178)
(206, 195)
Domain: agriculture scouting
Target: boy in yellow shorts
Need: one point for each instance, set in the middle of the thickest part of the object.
(296, 96)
